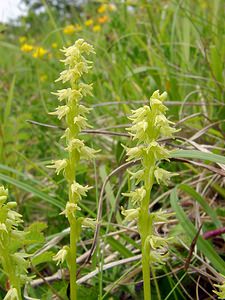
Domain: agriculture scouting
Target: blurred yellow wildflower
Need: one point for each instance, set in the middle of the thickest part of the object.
(102, 8)
(103, 19)
(54, 45)
(112, 7)
(39, 52)
(96, 28)
(78, 27)
(69, 29)
(22, 39)
(43, 77)
(88, 22)
(26, 48)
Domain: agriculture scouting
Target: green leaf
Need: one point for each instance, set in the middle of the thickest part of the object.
(9, 101)
(23, 175)
(108, 189)
(30, 189)
(34, 233)
(202, 245)
(117, 246)
(198, 155)
(202, 202)
(42, 258)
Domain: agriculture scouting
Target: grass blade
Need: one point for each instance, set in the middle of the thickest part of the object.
(198, 155)
(203, 245)
(32, 190)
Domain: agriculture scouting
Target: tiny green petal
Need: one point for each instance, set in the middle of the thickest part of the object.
(86, 89)
(61, 111)
(81, 122)
(70, 210)
(157, 242)
(3, 230)
(163, 176)
(161, 216)
(158, 256)
(137, 195)
(68, 94)
(59, 165)
(61, 255)
(130, 214)
(82, 110)
(3, 194)
(75, 144)
(88, 222)
(138, 176)
(134, 153)
(12, 294)
(79, 190)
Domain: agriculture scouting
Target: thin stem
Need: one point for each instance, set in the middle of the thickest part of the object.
(145, 229)
(146, 275)
(73, 160)
(156, 284)
(73, 267)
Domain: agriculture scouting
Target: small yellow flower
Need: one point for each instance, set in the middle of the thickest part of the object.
(102, 8)
(88, 22)
(96, 28)
(112, 7)
(103, 19)
(78, 27)
(22, 39)
(54, 45)
(43, 77)
(69, 29)
(26, 48)
(39, 52)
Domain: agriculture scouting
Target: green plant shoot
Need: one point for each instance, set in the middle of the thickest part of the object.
(14, 263)
(149, 123)
(75, 116)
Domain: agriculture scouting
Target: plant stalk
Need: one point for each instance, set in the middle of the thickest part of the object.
(73, 267)
(145, 229)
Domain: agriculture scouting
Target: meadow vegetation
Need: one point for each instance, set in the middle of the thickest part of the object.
(140, 47)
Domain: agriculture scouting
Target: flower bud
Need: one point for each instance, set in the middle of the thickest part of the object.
(61, 255)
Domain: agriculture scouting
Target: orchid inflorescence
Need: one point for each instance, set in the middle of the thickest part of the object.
(75, 115)
(13, 261)
(221, 288)
(149, 123)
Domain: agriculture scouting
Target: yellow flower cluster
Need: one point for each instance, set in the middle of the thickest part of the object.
(70, 29)
(88, 22)
(106, 7)
(37, 51)
(104, 18)
(54, 45)
(100, 21)
(26, 48)
(22, 39)
(96, 28)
